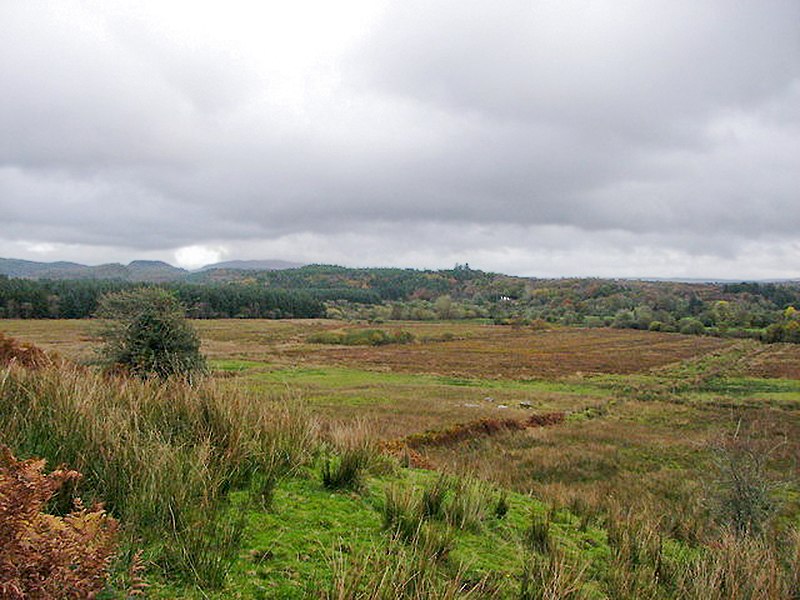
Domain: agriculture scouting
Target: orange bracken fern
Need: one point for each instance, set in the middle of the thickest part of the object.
(42, 555)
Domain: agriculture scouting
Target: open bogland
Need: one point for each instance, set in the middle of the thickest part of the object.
(234, 487)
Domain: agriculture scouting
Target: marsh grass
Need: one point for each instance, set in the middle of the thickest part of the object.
(162, 456)
(433, 498)
(404, 570)
(742, 568)
(361, 337)
(552, 576)
(537, 536)
(502, 506)
(469, 504)
(354, 454)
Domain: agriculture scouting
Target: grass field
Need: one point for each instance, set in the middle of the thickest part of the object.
(644, 416)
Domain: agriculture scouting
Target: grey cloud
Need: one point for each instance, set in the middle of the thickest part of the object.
(640, 125)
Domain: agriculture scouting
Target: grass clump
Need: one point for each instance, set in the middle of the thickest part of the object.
(468, 504)
(501, 507)
(460, 505)
(344, 471)
(354, 453)
(552, 576)
(433, 498)
(537, 536)
(406, 518)
(362, 337)
(401, 570)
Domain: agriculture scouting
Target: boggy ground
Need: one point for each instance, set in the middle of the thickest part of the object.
(644, 411)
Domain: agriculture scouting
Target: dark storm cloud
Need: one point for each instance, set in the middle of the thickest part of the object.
(454, 129)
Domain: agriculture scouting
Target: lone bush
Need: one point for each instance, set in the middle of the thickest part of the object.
(362, 337)
(744, 498)
(689, 326)
(146, 333)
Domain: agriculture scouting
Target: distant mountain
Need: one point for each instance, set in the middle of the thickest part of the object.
(253, 265)
(154, 270)
(139, 270)
(150, 271)
(14, 267)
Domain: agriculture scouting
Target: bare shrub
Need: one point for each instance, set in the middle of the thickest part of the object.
(743, 493)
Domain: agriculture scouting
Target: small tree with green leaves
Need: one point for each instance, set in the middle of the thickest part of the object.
(146, 333)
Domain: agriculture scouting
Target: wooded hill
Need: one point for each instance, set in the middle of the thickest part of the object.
(747, 309)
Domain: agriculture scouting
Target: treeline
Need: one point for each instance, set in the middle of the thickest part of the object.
(761, 311)
(77, 299)
(381, 284)
(755, 310)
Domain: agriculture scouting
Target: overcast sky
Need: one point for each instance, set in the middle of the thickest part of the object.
(545, 138)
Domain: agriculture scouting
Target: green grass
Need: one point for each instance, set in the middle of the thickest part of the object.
(289, 551)
(325, 384)
(234, 365)
(639, 441)
(785, 389)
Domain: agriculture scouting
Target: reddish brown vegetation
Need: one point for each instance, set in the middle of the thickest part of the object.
(479, 428)
(505, 353)
(41, 555)
(400, 450)
(27, 355)
(776, 360)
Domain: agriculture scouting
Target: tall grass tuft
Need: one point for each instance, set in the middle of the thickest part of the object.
(161, 455)
(354, 452)
(501, 506)
(404, 517)
(552, 576)
(537, 536)
(401, 512)
(468, 505)
(433, 497)
(400, 571)
(743, 568)
(461, 504)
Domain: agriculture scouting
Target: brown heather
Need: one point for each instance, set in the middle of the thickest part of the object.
(45, 556)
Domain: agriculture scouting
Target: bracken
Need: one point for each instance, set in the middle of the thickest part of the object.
(45, 556)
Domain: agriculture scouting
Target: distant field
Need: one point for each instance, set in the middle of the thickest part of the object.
(471, 349)
(454, 371)
(505, 353)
